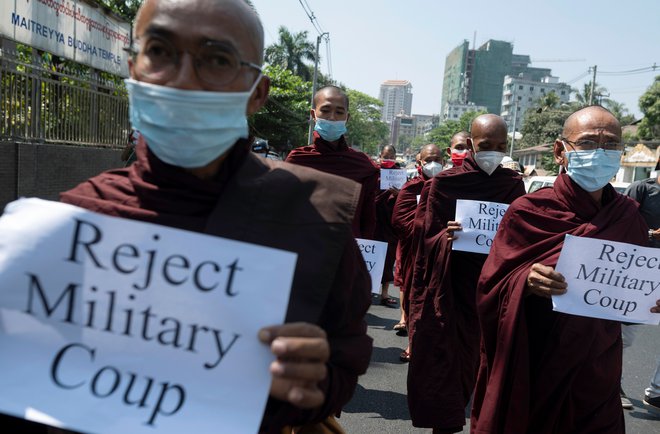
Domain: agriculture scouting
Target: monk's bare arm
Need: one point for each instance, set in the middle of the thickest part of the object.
(544, 281)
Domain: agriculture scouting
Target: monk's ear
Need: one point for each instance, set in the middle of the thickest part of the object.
(259, 96)
(448, 151)
(470, 145)
(559, 153)
(312, 114)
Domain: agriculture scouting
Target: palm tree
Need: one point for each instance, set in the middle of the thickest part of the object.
(291, 52)
(584, 97)
(619, 111)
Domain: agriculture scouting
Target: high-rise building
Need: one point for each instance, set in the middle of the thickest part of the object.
(454, 110)
(396, 96)
(477, 76)
(522, 92)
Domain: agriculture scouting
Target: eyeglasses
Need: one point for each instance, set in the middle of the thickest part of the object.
(590, 145)
(215, 64)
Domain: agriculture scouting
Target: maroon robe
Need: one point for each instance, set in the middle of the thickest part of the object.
(384, 232)
(445, 341)
(264, 202)
(403, 221)
(542, 371)
(344, 161)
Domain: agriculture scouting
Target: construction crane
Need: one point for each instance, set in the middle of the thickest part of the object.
(557, 60)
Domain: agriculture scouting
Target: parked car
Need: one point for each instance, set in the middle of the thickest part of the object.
(536, 182)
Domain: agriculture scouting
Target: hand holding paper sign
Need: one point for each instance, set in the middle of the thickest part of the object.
(452, 227)
(544, 281)
(302, 351)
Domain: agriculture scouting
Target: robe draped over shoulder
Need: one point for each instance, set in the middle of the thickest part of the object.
(342, 160)
(445, 330)
(274, 204)
(543, 371)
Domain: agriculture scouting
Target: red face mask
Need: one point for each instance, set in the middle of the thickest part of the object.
(457, 157)
(387, 164)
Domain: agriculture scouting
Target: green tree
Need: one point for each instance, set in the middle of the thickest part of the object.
(649, 104)
(365, 129)
(619, 111)
(126, 8)
(291, 51)
(583, 97)
(542, 125)
(442, 134)
(283, 121)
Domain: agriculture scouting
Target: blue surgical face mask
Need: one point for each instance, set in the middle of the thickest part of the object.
(188, 128)
(330, 130)
(592, 170)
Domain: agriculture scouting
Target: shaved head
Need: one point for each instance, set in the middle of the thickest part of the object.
(247, 31)
(591, 117)
(388, 152)
(489, 133)
(430, 152)
(330, 91)
(460, 137)
(488, 124)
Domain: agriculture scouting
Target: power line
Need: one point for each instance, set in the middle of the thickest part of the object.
(631, 71)
(311, 16)
(579, 77)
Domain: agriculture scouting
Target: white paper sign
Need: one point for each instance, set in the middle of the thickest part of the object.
(480, 220)
(110, 325)
(392, 178)
(609, 280)
(374, 253)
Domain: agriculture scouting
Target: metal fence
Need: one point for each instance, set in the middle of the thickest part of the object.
(41, 102)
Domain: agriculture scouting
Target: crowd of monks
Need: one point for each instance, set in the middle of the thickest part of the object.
(481, 327)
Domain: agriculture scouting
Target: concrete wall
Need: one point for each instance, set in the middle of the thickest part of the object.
(41, 170)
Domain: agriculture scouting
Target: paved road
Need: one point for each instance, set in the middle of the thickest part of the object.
(379, 404)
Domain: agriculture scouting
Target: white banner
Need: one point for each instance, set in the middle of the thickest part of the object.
(609, 280)
(71, 29)
(374, 253)
(480, 220)
(392, 178)
(110, 325)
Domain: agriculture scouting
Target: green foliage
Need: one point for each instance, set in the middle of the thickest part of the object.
(549, 165)
(126, 8)
(619, 111)
(583, 97)
(283, 121)
(649, 104)
(442, 134)
(365, 129)
(543, 124)
(291, 51)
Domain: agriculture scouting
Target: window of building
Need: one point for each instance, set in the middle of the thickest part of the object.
(563, 92)
(542, 90)
(520, 87)
(520, 98)
(529, 99)
(531, 88)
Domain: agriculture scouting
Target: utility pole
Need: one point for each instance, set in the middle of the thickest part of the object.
(315, 83)
(593, 86)
(513, 134)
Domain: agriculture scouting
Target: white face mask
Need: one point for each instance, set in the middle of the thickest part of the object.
(188, 128)
(431, 169)
(488, 160)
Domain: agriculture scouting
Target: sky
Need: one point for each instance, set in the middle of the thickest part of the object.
(376, 40)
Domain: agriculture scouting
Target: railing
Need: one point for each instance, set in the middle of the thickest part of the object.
(46, 103)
